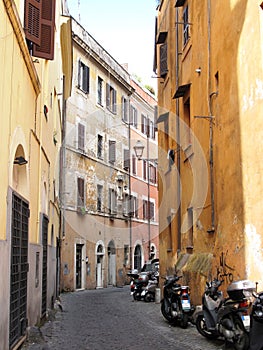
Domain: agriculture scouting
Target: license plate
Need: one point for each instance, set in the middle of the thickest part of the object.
(246, 321)
(186, 305)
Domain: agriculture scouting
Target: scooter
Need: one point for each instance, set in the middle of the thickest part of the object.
(256, 323)
(140, 285)
(228, 317)
(148, 293)
(176, 306)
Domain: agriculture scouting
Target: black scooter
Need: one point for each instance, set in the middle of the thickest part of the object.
(176, 306)
(256, 323)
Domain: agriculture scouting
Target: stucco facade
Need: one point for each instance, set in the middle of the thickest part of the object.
(98, 245)
(209, 63)
(31, 124)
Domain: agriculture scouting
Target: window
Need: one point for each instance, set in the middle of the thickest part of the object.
(111, 98)
(100, 147)
(148, 206)
(126, 157)
(80, 193)
(124, 112)
(144, 125)
(134, 207)
(144, 169)
(99, 198)
(133, 117)
(99, 96)
(163, 60)
(40, 27)
(152, 130)
(81, 137)
(134, 170)
(112, 151)
(112, 201)
(152, 175)
(83, 77)
(186, 35)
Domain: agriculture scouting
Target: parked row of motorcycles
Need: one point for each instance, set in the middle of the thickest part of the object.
(238, 318)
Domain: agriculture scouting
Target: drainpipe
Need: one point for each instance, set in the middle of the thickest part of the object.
(211, 150)
(178, 138)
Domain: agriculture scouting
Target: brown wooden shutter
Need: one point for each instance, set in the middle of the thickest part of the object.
(163, 60)
(112, 151)
(47, 26)
(126, 162)
(32, 20)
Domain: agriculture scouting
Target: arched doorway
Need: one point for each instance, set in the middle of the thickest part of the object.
(111, 263)
(99, 265)
(138, 257)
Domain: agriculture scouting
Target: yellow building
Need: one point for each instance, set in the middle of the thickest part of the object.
(210, 96)
(35, 80)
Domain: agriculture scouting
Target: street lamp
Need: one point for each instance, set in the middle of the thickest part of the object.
(138, 149)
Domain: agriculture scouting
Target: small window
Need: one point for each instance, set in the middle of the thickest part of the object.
(148, 210)
(83, 77)
(133, 117)
(112, 201)
(80, 193)
(112, 151)
(100, 90)
(124, 105)
(81, 137)
(134, 169)
(111, 95)
(126, 162)
(100, 147)
(144, 126)
(99, 198)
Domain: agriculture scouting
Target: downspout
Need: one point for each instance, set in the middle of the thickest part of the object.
(178, 138)
(211, 150)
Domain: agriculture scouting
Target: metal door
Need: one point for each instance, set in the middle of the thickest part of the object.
(44, 266)
(78, 265)
(18, 269)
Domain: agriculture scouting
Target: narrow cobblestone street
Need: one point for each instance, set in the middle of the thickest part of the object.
(110, 319)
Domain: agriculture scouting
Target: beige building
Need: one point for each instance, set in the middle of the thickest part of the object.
(209, 68)
(35, 79)
(100, 206)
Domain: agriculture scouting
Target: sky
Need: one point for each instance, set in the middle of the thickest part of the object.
(125, 29)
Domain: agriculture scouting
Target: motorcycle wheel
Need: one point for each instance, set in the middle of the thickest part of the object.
(137, 296)
(202, 329)
(165, 313)
(241, 341)
(149, 297)
(184, 321)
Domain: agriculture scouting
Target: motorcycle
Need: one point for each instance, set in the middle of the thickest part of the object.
(256, 323)
(226, 317)
(176, 306)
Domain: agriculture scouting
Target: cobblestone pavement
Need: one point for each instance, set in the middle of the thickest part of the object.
(109, 319)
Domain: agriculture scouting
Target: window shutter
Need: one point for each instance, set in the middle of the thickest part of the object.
(112, 151)
(126, 162)
(163, 60)
(80, 200)
(86, 79)
(107, 95)
(47, 27)
(79, 73)
(81, 136)
(32, 20)
(114, 101)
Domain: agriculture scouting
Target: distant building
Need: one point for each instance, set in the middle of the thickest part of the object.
(100, 206)
(209, 70)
